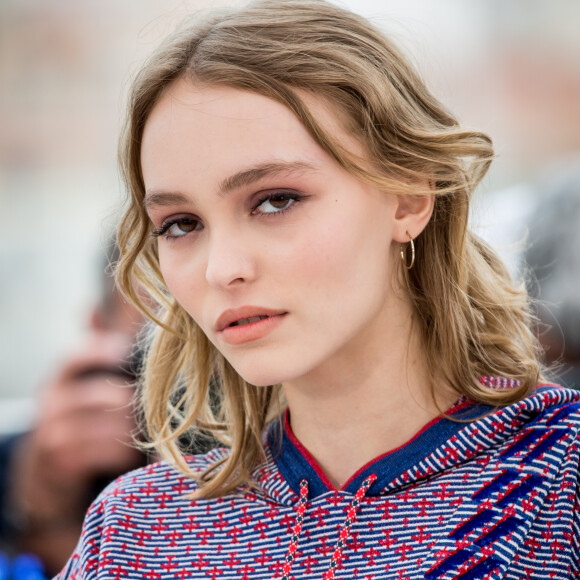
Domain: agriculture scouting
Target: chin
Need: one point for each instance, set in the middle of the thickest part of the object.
(261, 375)
(273, 364)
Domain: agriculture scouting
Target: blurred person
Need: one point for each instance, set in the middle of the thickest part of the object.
(553, 258)
(298, 214)
(80, 440)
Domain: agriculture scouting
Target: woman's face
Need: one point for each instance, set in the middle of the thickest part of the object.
(284, 259)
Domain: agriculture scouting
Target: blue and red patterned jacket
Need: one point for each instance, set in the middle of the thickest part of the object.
(495, 497)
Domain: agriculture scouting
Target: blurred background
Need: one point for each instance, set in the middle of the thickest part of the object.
(511, 69)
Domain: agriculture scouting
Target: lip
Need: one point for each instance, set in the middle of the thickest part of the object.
(238, 334)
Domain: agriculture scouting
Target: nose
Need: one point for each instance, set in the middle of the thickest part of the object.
(230, 260)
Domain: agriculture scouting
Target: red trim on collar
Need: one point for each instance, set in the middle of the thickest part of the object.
(305, 453)
(368, 465)
(461, 403)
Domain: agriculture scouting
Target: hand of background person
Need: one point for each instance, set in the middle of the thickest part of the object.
(83, 431)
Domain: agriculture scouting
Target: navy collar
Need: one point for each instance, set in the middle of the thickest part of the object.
(295, 462)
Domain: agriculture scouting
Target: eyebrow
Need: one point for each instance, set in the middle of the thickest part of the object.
(254, 174)
(163, 198)
(240, 179)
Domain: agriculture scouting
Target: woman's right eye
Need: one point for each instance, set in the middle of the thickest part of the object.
(177, 228)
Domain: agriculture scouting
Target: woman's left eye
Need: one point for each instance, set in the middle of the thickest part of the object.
(276, 203)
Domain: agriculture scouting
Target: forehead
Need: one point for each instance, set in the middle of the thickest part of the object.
(225, 128)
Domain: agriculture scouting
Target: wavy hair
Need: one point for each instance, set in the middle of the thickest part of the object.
(474, 320)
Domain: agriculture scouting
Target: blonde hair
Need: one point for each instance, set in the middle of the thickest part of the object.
(473, 320)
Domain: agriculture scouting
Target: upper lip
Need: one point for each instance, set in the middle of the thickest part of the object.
(231, 315)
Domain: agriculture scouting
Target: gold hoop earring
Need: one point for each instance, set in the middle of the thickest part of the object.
(404, 253)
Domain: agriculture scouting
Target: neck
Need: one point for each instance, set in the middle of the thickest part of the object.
(355, 410)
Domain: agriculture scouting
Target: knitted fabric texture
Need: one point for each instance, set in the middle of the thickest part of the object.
(494, 497)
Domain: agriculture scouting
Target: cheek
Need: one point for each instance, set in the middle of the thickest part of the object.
(341, 257)
(311, 258)
(182, 279)
(167, 267)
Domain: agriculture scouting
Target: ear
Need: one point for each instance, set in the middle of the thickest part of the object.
(412, 214)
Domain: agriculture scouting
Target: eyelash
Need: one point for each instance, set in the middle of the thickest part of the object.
(294, 197)
(162, 231)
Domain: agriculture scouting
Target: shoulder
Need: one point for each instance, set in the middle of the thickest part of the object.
(544, 398)
(548, 406)
(135, 505)
(162, 479)
(544, 425)
(553, 405)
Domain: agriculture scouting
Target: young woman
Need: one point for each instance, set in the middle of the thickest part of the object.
(298, 208)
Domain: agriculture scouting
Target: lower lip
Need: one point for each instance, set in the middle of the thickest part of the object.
(249, 332)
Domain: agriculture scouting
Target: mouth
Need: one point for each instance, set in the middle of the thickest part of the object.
(248, 323)
(244, 321)
(245, 315)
